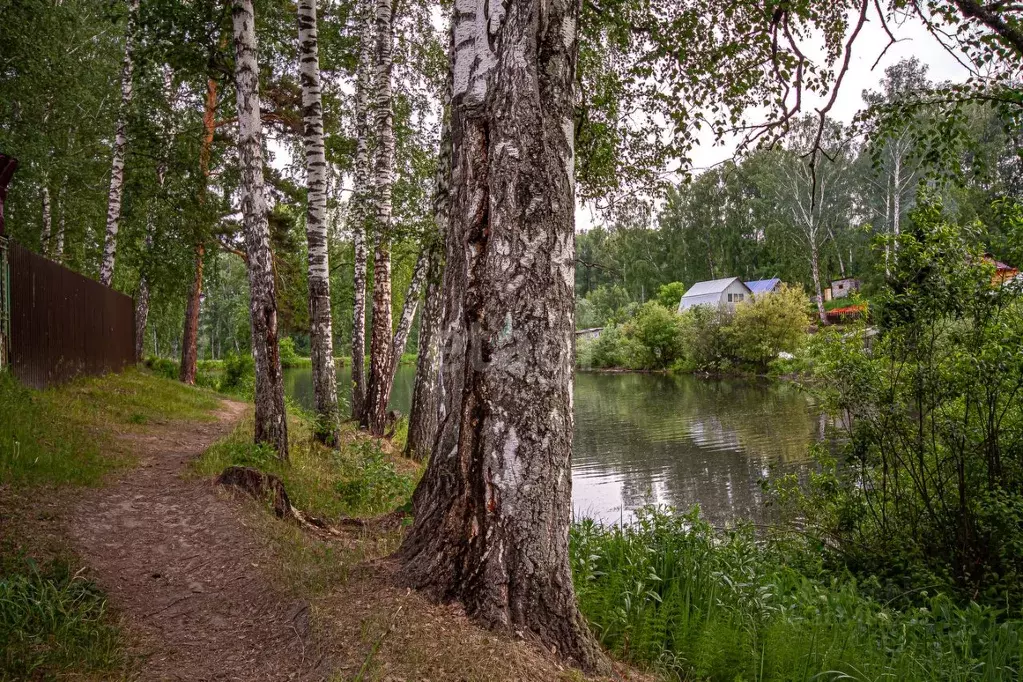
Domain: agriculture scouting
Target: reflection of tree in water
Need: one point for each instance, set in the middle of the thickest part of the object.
(692, 440)
(298, 386)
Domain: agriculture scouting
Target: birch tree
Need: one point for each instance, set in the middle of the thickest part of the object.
(493, 508)
(106, 272)
(271, 425)
(321, 329)
(381, 340)
(361, 203)
(422, 422)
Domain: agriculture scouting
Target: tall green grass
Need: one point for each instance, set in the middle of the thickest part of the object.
(358, 478)
(63, 435)
(671, 593)
(54, 623)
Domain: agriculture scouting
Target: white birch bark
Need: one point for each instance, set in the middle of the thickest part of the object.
(58, 248)
(361, 202)
(47, 230)
(321, 329)
(492, 511)
(381, 339)
(422, 421)
(106, 271)
(271, 425)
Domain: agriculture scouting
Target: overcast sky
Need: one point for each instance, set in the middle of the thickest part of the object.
(915, 41)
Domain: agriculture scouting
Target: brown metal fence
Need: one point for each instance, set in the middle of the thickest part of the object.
(63, 324)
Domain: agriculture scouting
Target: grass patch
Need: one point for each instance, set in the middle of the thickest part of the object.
(54, 622)
(670, 593)
(63, 435)
(360, 478)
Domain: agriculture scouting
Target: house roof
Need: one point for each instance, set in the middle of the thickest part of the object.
(708, 292)
(763, 286)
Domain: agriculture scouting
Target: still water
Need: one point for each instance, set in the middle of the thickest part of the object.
(676, 440)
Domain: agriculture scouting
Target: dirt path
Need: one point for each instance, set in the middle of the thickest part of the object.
(179, 563)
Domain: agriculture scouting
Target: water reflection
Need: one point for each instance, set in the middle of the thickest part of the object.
(642, 438)
(683, 441)
(298, 385)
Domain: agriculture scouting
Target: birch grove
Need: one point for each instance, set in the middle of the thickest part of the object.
(321, 328)
(271, 424)
(422, 422)
(106, 271)
(361, 203)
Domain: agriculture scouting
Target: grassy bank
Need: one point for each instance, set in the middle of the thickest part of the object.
(54, 622)
(670, 593)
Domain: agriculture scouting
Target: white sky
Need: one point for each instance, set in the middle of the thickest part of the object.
(914, 41)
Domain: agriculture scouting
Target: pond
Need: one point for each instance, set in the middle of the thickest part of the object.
(676, 440)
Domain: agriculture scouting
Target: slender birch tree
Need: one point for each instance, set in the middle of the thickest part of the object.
(381, 337)
(271, 421)
(106, 271)
(492, 511)
(321, 334)
(361, 203)
(422, 421)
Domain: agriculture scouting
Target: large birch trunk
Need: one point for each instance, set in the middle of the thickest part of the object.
(361, 207)
(321, 330)
(381, 341)
(271, 422)
(492, 512)
(422, 421)
(106, 271)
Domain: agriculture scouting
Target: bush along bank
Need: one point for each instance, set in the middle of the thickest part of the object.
(670, 593)
(761, 336)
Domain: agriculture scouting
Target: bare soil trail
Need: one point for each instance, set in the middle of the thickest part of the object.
(177, 560)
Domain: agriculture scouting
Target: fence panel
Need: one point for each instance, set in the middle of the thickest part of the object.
(64, 324)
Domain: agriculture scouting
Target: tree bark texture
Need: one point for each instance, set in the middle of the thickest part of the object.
(106, 271)
(271, 422)
(381, 340)
(47, 230)
(321, 330)
(361, 206)
(492, 512)
(422, 421)
(58, 247)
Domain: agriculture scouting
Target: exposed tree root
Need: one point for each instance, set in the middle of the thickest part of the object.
(269, 489)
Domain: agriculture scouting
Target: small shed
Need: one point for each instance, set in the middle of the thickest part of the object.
(716, 292)
(1003, 273)
(841, 288)
(764, 286)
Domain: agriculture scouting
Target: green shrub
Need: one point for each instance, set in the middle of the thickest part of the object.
(704, 339)
(239, 373)
(669, 295)
(769, 324)
(670, 592)
(289, 358)
(659, 331)
(163, 367)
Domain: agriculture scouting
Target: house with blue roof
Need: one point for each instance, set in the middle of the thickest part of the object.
(764, 286)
